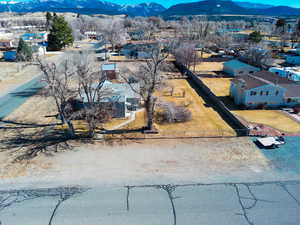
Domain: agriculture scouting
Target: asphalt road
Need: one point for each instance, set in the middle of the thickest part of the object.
(270, 203)
(15, 98)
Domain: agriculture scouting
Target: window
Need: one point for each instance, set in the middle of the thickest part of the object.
(267, 93)
(253, 93)
(251, 72)
(277, 92)
(261, 93)
(241, 72)
(277, 73)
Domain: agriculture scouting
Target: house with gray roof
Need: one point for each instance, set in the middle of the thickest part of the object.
(264, 89)
(237, 68)
(122, 97)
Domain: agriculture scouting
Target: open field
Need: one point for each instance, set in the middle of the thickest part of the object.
(273, 118)
(208, 66)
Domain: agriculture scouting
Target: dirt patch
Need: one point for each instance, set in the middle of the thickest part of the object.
(144, 161)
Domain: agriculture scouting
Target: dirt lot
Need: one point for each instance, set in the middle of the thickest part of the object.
(151, 161)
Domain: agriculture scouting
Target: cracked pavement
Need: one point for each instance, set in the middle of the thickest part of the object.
(255, 203)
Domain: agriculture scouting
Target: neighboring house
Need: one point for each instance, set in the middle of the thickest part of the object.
(294, 60)
(121, 96)
(6, 44)
(39, 50)
(291, 73)
(140, 51)
(10, 55)
(93, 35)
(40, 37)
(237, 68)
(264, 89)
(110, 71)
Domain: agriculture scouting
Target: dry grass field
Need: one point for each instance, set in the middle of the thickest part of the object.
(205, 121)
(219, 86)
(208, 66)
(272, 118)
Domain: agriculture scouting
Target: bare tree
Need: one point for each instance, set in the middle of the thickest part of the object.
(259, 57)
(114, 32)
(91, 91)
(150, 79)
(186, 54)
(58, 86)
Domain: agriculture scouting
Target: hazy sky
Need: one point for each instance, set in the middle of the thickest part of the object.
(167, 3)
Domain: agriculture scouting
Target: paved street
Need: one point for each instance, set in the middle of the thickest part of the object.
(270, 203)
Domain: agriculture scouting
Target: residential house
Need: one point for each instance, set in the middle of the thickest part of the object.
(291, 73)
(110, 71)
(264, 89)
(6, 44)
(121, 97)
(237, 68)
(139, 51)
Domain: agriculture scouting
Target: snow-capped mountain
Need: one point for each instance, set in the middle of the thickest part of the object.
(83, 6)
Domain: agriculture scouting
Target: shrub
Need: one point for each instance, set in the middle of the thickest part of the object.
(171, 113)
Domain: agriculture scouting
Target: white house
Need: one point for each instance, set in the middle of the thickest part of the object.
(264, 89)
(237, 68)
(121, 96)
(291, 73)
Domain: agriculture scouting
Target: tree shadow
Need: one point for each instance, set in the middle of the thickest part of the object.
(28, 143)
(21, 125)
(27, 93)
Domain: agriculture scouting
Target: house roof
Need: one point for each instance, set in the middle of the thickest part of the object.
(107, 67)
(262, 78)
(117, 92)
(239, 65)
(292, 90)
(273, 78)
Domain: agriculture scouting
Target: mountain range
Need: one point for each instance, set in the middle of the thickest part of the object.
(204, 7)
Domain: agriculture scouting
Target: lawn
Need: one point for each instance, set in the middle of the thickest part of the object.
(272, 118)
(208, 66)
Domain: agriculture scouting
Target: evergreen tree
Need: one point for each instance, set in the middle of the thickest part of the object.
(24, 51)
(280, 24)
(48, 20)
(60, 34)
(255, 37)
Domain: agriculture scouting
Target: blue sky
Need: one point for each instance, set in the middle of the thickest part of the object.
(168, 3)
